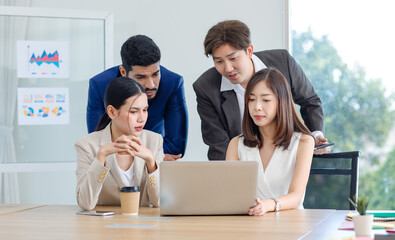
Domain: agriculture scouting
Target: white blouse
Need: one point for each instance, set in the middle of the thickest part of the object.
(273, 182)
(127, 176)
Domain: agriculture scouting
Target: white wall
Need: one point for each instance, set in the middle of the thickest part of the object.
(179, 28)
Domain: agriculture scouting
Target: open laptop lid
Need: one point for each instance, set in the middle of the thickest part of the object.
(207, 188)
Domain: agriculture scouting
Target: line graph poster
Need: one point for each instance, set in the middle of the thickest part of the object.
(42, 59)
(42, 106)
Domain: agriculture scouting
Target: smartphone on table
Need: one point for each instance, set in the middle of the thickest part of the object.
(95, 213)
(323, 146)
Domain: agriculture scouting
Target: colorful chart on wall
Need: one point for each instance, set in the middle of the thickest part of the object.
(42, 106)
(42, 59)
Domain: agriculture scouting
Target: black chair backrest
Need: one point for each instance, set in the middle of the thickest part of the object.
(333, 179)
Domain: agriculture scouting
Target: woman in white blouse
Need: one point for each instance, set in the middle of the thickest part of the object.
(120, 152)
(275, 137)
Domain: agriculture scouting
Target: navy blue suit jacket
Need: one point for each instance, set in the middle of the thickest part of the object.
(167, 111)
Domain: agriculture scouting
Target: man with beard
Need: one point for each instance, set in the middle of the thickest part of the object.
(167, 111)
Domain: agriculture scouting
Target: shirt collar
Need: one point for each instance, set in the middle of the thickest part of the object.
(258, 64)
(227, 85)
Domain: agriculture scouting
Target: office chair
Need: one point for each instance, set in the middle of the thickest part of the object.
(333, 179)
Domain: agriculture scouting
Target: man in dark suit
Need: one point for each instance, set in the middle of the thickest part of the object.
(220, 90)
(167, 111)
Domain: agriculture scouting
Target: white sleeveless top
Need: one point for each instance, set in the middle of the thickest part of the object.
(274, 182)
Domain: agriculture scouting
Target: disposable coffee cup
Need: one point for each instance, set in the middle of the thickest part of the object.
(130, 200)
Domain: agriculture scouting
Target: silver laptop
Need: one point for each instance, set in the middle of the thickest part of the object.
(207, 188)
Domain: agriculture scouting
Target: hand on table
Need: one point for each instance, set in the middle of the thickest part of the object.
(259, 209)
(170, 157)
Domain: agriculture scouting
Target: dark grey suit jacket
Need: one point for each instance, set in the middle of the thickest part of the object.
(220, 113)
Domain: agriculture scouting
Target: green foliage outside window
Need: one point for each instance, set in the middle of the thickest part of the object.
(358, 113)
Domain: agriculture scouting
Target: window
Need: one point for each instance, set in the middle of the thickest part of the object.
(346, 49)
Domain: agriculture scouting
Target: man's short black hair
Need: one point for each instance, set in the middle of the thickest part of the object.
(139, 50)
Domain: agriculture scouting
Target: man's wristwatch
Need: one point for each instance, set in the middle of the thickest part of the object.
(277, 206)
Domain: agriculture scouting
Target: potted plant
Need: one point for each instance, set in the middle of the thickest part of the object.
(362, 222)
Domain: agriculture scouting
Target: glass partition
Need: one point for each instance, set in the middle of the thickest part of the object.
(42, 156)
(51, 143)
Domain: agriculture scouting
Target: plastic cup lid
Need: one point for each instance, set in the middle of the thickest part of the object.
(130, 189)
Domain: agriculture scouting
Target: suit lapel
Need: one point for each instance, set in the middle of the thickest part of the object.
(231, 109)
(139, 165)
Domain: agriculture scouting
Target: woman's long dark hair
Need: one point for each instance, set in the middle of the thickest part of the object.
(287, 119)
(117, 92)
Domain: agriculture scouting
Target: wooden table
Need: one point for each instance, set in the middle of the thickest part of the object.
(61, 222)
(12, 208)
